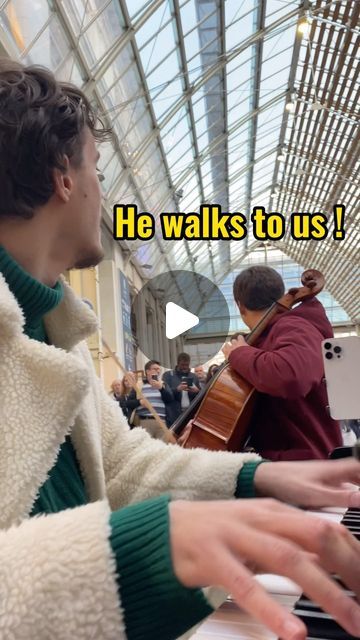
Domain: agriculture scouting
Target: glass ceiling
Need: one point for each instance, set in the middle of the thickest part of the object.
(195, 91)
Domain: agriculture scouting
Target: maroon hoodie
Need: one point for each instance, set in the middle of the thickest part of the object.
(291, 419)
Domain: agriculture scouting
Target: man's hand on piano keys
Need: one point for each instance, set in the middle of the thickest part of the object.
(311, 484)
(224, 543)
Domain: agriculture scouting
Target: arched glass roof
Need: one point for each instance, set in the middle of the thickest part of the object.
(196, 93)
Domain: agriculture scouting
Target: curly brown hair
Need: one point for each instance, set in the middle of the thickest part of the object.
(41, 121)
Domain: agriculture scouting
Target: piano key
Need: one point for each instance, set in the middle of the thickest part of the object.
(320, 624)
(351, 524)
(305, 603)
(231, 623)
(278, 584)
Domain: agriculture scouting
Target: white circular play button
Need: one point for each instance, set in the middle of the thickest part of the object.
(185, 305)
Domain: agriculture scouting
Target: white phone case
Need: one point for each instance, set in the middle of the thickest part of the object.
(342, 373)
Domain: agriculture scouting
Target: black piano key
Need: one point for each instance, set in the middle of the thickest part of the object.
(339, 582)
(354, 532)
(351, 520)
(321, 625)
(304, 602)
(307, 605)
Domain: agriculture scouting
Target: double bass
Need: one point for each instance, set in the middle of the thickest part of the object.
(219, 416)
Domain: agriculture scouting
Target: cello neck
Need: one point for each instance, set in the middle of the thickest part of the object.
(263, 323)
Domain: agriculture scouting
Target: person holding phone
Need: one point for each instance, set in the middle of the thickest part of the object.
(158, 393)
(184, 385)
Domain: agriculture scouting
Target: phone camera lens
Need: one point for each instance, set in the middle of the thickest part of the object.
(327, 345)
(328, 355)
(337, 349)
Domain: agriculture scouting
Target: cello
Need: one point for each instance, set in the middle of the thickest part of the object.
(219, 416)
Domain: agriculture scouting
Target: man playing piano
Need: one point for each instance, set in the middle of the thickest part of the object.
(106, 533)
(291, 420)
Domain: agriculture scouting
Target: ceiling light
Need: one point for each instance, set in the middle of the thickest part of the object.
(290, 102)
(304, 25)
(282, 157)
(146, 266)
(304, 28)
(290, 106)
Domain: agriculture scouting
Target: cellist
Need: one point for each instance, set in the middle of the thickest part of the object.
(291, 420)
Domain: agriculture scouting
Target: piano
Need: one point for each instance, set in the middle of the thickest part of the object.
(231, 623)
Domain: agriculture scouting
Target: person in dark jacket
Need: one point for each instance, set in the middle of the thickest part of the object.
(291, 419)
(184, 385)
(158, 393)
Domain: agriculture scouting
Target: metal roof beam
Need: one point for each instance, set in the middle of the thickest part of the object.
(187, 172)
(153, 118)
(187, 85)
(256, 61)
(285, 118)
(211, 29)
(200, 82)
(125, 39)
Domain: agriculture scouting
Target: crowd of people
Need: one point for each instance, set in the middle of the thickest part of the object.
(169, 393)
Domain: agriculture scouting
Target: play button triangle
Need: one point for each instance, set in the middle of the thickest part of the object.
(178, 320)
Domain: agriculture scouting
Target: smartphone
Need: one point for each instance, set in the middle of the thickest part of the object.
(187, 380)
(342, 373)
(154, 377)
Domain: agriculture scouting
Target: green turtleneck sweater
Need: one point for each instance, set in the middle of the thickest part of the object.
(155, 605)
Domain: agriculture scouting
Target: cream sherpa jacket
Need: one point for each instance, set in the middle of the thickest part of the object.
(57, 573)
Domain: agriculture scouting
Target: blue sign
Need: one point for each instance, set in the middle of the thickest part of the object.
(125, 308)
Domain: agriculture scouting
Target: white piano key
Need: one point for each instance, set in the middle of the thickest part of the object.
(336, 514)
(231, 623)
(279, 584)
